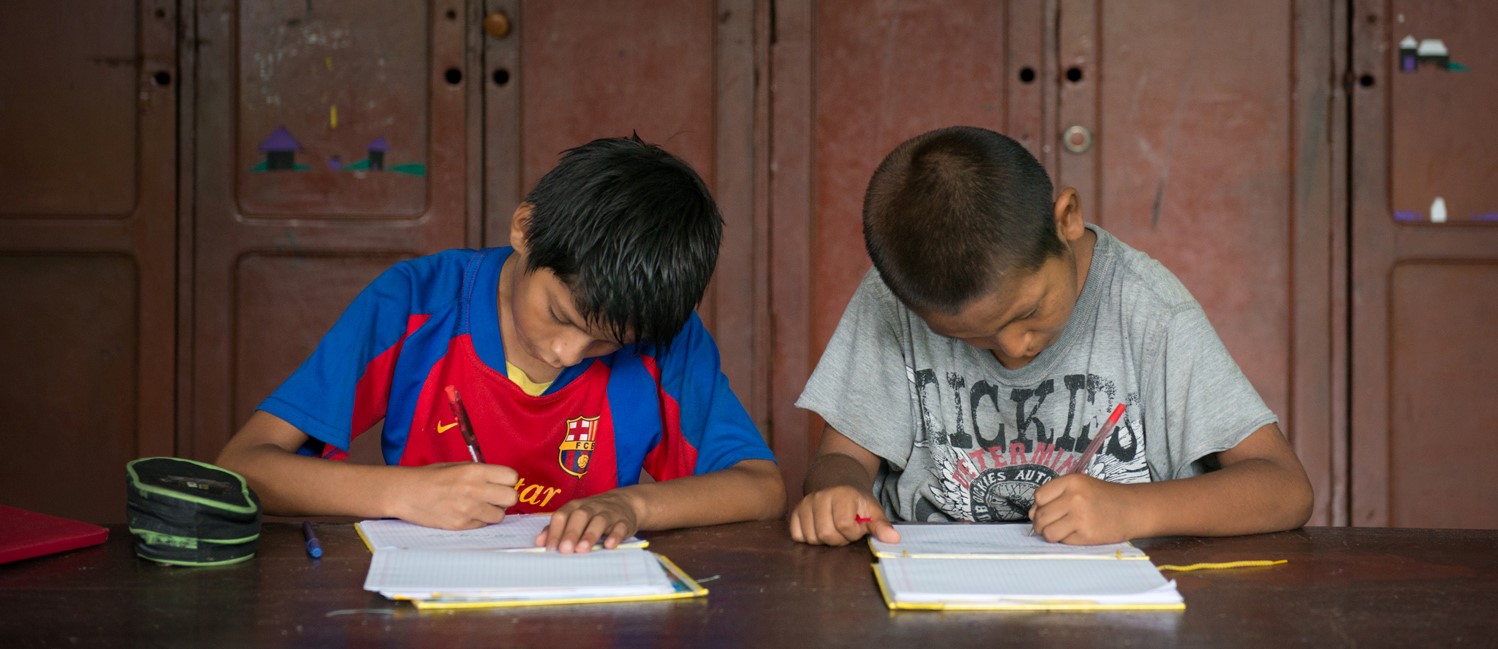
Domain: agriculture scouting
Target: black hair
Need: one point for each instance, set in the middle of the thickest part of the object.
(631, 230)
(950, 211)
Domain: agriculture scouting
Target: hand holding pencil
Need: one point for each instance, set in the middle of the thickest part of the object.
(839, 516)
(1077, 508)
(456, 495)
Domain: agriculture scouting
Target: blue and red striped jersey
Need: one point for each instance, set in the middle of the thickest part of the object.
(433, 321)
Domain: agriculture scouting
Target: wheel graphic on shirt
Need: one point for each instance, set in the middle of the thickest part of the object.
(1007, 494)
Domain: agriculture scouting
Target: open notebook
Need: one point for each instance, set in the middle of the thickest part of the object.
(1019, 584)
(999, 566)
(447, 579)
(498, 565)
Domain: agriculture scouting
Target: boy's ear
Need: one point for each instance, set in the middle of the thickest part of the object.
(1068, 214)
(520, 222)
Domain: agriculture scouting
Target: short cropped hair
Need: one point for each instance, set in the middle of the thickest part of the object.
(950, 212)
(632, 231)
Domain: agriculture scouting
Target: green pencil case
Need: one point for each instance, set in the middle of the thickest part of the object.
(188, 513)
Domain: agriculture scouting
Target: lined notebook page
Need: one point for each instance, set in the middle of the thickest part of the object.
(1026, 582)
(515, 532)
(990, 540)
(422, 574)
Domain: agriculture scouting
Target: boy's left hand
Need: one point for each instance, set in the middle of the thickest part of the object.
(579, 525)
(1082, 510)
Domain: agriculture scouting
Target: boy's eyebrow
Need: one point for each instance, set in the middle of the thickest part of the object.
(571, 316)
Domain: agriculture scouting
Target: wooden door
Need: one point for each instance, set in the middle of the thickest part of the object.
(682, 74)
(850, 80)
(1425, 263)
(330, 141)
(1212, 150)
(88, 116)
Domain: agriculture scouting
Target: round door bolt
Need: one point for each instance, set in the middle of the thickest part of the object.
(1077, 139)
(497, 24)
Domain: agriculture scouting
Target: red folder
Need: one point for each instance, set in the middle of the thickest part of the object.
(25, 534)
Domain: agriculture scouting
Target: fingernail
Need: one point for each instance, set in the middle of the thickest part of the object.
(566, 546)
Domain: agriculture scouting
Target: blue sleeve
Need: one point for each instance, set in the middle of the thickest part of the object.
(343, 388)
(700, 408)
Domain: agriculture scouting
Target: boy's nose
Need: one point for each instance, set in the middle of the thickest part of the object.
(569, 352)
(1016, 346)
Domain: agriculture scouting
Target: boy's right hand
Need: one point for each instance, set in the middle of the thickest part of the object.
(840, 515)
(456, 495)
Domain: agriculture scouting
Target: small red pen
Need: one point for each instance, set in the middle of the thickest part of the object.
(862, 519)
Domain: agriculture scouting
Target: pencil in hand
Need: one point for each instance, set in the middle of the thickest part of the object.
(464, 426)
(1080, 466)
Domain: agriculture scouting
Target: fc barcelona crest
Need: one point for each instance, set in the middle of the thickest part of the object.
(577, 445)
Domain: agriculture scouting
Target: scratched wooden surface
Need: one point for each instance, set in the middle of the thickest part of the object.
(1341, 587)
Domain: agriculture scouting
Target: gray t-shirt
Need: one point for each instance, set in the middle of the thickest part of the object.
(964, 438)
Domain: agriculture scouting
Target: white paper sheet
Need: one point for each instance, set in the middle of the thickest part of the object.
(991, 540)
(426, 574)
(516, 532)
(1076, 583)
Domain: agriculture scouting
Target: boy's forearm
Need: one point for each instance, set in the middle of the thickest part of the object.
(749, 490)
(294, 485)
(836, 470)
(1249, 497)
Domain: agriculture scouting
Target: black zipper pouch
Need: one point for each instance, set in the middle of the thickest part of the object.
(188, 513)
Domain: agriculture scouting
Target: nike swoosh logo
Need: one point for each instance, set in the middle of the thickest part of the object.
(442, 429)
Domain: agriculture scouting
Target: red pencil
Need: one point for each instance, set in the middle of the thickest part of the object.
(1080, 466)
(464, 426)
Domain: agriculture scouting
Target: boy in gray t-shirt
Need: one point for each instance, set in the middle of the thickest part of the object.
(994, 336)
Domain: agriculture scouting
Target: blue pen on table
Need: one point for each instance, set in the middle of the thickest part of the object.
(314, 549)
(464, 426)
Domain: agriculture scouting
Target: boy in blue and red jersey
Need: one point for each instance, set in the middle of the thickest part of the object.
(576, 353)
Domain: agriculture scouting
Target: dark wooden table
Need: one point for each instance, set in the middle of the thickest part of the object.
(1342, 587)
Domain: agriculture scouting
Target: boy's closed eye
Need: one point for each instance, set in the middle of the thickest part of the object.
(1028, 315)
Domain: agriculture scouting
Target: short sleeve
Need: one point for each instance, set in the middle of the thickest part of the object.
(1205, 402)
(704, 425)
(860, 385)
(342, 389)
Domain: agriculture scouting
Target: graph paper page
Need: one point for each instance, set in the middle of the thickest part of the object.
(978, 540)
(1022, 581)
(515, 532)
(421, 574)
